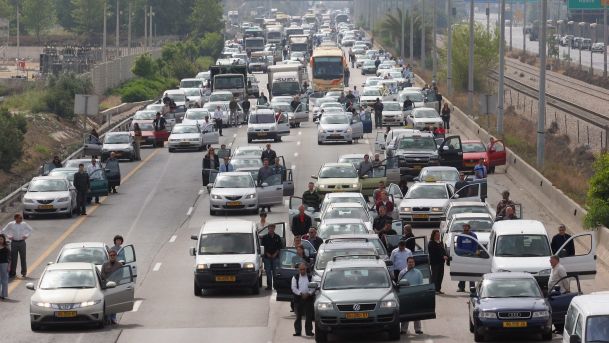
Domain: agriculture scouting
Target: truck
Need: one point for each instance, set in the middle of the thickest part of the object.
(274, 34)
(285, 79)
(254, 44)
(230, 78)
(300, 43)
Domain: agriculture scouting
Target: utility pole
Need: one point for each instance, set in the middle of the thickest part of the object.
(524, 27)
(104, 47)
(411, 31)
(403, 33)
(488, 17)
(150, 36)
(449, 52)
(511, 21)
(146, 27)
(470, 66)
(434, 51)
(541, 104)
(129, 29)
(422, 33)
(118, 42)
(605, 41)
(500, 91)
(18, 33)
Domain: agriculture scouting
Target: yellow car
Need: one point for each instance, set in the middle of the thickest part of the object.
(337, 177)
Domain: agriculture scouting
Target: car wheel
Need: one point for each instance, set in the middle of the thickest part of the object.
(198, 290)
(320, 336)
(249, 140)
(25, 216)
(471, 327)
(34, 326)
(546, 336)
(394, 332)
(478, 336)
(260, 280)
(70, 214)
(101, 324)
(170, 150)
(256, 289)
(212, 212)
(351, 141)
(320, 143)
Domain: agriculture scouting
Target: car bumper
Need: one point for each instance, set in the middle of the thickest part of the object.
(334, 137)
(422, 217)
(262, 135)
(184, 145)
(414, 170)
(335, 189)
(237, 205)
(243, 278)
(299, 119)
(495, 326)
(392, 120)
(368, 71)
(44, 316)
(332, 322)
(125, 155)
(53, 208)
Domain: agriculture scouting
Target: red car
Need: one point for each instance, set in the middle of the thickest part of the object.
(493, 154)
(149, 136)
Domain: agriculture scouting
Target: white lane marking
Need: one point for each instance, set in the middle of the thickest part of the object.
(173, 239)
(157, 266)
(136, 305)
(295, 154)
(298, 143)
(234, 135)
(367, 141)
(189, 211)
(300, 133)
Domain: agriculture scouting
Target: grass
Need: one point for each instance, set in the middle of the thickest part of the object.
(31, 100)
(41, 149)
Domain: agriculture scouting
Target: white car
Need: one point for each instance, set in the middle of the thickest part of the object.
(342, 226)
(233, 191)
(178, 96)
(419, 118)
(197, 116)
(348, 211)
(439, 173)
(360, 59)
(480, 223)
(425, 202)
(455, 207)
(369, 95)
(221, 96)
(195, 96)
(392, 114)
(188, 136)
(587, 316)
(49, 195)
(96, 253)
(382, 67)
(417, 98)
(262, 124)
(337, 177)
(248, 151)
(336, 127)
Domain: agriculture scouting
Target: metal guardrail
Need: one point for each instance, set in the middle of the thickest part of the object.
(121, 126)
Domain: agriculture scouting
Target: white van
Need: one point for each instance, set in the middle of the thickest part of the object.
(587, 319)
(228, 255)
(521, 246)
(262, 125)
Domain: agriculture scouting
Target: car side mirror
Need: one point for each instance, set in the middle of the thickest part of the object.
(194, 237)
(403, 283)
(24, 189)
(492, 150)
(313, 285)
(317, 219)
(363, 177)
(416, 179)
(50, 262)
(389, 263)
(310, 209)
(472, 292)
(209, 187)
(445, 148)
(483, 254)
(575, 339)
(192, 251)
(313, 176)
(30, 286)
(264, 184)
(110, 284)
(456, 196)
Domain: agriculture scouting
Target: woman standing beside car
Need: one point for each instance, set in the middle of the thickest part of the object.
(437, 258)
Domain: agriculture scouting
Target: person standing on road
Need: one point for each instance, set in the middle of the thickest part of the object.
(437, 258)
(408, 237)
(311, 197)
(408, 104)
(137, 141)
(558, 273)
(377, 62)
(385, 202)
(82, 183)
(365, 167)
(56, 162)
(109, 267)
(92, 168)
(159, 122)
(226, 166)
(218, 119)
(262, 223)
(272, 244)
(278, 168)
(559, 239)
(399, 257)
(295, 103)
(314, 239)
(263, 173)
(378, 113)
(5, 253)
(246, 105)
(211, 161)
(118, 246)
(269, 154)
(459, 185)
(446, 116)
(233, 106)
(301, 223)
(467, 247)
(379, 222)
(262, 100)
(304, 300)
(17, 232)
(387, 231)
(114, 173)
(480, 170)
(504, 203)
(414, 278)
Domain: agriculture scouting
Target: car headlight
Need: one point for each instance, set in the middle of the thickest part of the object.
(64, 199)
(389, 304)
(201, 266)
(349, 130)
(42, 304)
(322, 186)
(216, 197)
(174, 140)
(249, 265)
(437, 209)
(487, 315)
(355, 185)
(28, 201)
(545, 272)
(541, 314)
(503, 271)
(322, 306)
(321, 131)
(406, 209)
(88, 303)
(251, 196)
(250, 129)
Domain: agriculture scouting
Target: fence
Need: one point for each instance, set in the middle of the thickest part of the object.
(111, 74)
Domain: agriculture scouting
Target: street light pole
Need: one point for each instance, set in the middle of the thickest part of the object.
(411, 31)
(146, 27)
(150, 37)
(104, 46)
(403, 24)
(488, 17)
(470, 66)
(118, 42)
(129, 29)
(449, 33)
(524, 28)
(422, 33)
(579, 45)
(541, 104)
(511, 21)
(500, 90)
(18, 32)
(434, 51)
(592, 26)
(605, 41)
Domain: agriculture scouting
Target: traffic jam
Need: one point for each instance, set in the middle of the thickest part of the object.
(367, 245)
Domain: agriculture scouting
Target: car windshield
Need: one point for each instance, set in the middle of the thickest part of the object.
(196, 115)
(473, 147)
(597, 329)
(327, 230)
(48, 186)
(340, 119)
(144, 115)
(283, 107)
(337, 172)
(353, 160)
(117, 139)
(191, 83)
(234, 181)
(68, 278)
(248, 152)
(467, 209)
(266, 118)
(510, 288)
(439, 175)
(417, 143)
(177, 97)
(220, 97)
(332, 104)
(372, 92)
(67, 173)
(427, 192)
(285, 88)
(522, 246)
(414, 97)
(185, 129)
(326, 255)
(372, 82)
(155, 107)
(144, 126)
(346, 213)
(228, 82)
(392, 106)
(239, 163)
(226, 243)
(356, 278)
(477, 225)
(192, 92)
(92, 255)
(425, 113)
(368, 63)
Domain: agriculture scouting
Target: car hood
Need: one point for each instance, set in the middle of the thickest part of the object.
(65, 295)
(369, 97)
(521, 264)
(107, 146)
(337, 180)
(334, 126)
(424, 203)
(427, 120)
(416, 152)
(509, 304)
(46, 195)
(229, 258)
(184, 136)
(232, 191)
(356, 295)
(474, 155)
(392, 112)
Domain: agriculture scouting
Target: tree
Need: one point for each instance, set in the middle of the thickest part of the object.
(88, 15)
(206, 16)
(12, 129)
(390, 31)
(597, 200)
(38, 15)
(145, 67)
(64, 10)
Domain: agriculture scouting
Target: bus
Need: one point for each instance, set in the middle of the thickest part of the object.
(328, 64)
(341, 18)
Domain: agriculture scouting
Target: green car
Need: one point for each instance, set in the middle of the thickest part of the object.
(387, 171)
(98, 180)
(358, 295)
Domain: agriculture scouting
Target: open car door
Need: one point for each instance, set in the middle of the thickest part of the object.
(583, 262)
(280, 230)
(357, 128)
(270, 191)
(282, 277)
(451, 152)
(379, 141)
(120, 298)
(467, 265)
(394, 191)
(92, 145)
(417, 301)
(127, 256)
(496, 154)
(211, 136)
(283, 125)
(474, 191)
(392, 170)
(560, 301)
(371, 181)
(288, 183)
(98, 184)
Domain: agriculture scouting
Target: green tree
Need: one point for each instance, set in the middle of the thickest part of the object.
(597, 200)
(61, 89)
(12, 129)
(64, 10)
(390, 32)
(145, 67)
(38, 15)
(88, 17)
(206, 16)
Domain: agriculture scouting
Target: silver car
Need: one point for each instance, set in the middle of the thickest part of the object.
(233, 191)
(186, 136)
(96, 253)
(334, 128)
(119, 143)
(74, 293)
(49, 195)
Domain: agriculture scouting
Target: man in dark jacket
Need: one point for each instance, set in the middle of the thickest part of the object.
(559, 239)
(269, 154)
(159, 122)
(82, 185)
(295, 103)
(114, 173)
(301, 222)
(378, 113)
(311, 197)
(379, 222)
(406, 236)
(246, 106)
(233, 106)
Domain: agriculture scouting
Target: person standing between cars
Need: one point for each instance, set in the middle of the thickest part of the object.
(82, 183)
(504, 203)
(408, 237)
(414, 278)
(109, 267)
(379, 222)
(376, 195)
(311, 197)
(559, 239)
(365, 167)
(480, 170)
(210, 162)
(399, 257)
(408, 104)
(118, 245)
(272, 244)
(92, 168)
(295, 103)
(56, 162)
(114, 173)
(377, 62)
(263, 173)
(262, 223)
(159, 122)
(387, 231)
(347, 76)
(301, 223)
(262, 99)
(314, 239)
(446, 116)
(233, 106)
(468, 247)
(218, 119)
(226, 166)
(246, 105)
(437, 258)
(305, 244)
(385, 202)
(17, 232)
(278, 168)
(350, 96)
(558, 273)
(137, 141)
(378, 113)
(508, 214)
(304, 300)
(5, 253)
(269, 154)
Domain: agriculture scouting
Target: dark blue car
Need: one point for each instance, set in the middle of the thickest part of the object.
(514, 303)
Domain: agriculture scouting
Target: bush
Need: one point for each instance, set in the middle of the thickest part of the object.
(597, 200)
(12, 129)
(143, 89)
(145, 66)
(59, 97)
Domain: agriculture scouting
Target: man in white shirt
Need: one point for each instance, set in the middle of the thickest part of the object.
(91, 168)
(558, 272)
(17, 232)
(304, 298)
(399, 257)
(218, 119)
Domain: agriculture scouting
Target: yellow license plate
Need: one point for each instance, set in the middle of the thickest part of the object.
(261, 133)
(226, 278)
(184, 143)
(233, 203)
(65, 314)
(420, 216)
(514, 324)
(356, 315)
(417, 167)
(45, 207)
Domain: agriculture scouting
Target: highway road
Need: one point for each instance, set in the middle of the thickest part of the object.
(151, 211)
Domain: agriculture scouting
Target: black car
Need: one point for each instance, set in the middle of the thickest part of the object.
(513, 302)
